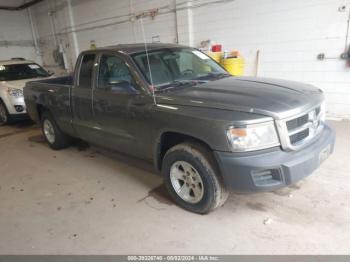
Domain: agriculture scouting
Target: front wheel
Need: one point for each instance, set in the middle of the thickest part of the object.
(4, 115)
(192, 180)
(52, 133)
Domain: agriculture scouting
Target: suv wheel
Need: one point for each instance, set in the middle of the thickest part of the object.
(4, 116)
(52, 133)
(191, 178)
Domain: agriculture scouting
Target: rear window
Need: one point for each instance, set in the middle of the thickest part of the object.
(21, 71)
(86, 69)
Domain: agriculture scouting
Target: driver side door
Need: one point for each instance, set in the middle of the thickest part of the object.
(121, 110)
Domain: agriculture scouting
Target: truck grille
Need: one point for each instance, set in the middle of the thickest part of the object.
(299, 136)
(302, 128)
(295, 123)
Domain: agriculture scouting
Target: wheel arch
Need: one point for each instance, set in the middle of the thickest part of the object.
(168, 139)
(3, 102)
(40, 109)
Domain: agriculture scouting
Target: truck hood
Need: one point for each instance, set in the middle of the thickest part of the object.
(269, 97)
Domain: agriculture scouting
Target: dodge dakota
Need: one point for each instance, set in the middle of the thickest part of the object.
(207, 132)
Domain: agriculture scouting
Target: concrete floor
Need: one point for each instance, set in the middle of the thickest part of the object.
(88, 201)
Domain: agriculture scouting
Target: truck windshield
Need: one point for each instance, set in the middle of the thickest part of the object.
(21, 71)
(176, 66)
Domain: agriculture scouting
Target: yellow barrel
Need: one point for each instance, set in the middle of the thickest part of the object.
(234, 65)
(216, 56)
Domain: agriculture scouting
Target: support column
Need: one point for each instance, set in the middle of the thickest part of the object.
(73, 33)
(184, 17)
(38, 52)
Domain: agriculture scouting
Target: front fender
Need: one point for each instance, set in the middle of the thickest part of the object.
(207, 125)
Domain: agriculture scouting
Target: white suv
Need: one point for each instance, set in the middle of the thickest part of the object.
(14, 74)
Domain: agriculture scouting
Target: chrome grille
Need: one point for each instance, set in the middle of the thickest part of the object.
(299, 136)
(295, 132)
(297, 122)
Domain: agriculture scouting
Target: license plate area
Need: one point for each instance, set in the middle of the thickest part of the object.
(324, 154)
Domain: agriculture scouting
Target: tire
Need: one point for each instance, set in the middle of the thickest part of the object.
(4, 115)
(201, 191)
(55, 138)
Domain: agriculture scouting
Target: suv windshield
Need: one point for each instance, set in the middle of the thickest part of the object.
(174, 66)
(21, 71)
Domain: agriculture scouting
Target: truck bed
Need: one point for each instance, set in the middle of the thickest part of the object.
(63, 80)
(53, 94)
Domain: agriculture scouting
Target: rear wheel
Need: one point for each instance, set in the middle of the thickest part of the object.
(52, 133)
(191, 178)
(4, 115)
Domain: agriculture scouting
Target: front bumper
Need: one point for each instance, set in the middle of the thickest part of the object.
(270, 170)
(15, 105)
(16, 108)
(19, 117)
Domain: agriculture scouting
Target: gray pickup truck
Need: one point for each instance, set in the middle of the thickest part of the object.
(206, 131)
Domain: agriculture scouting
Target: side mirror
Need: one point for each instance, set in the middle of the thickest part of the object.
(50, 72)
(122, 87)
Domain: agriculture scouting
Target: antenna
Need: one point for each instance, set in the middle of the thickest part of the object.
(149, 65)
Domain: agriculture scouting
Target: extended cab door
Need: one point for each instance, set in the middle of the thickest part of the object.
(121, 108)
(83, 118)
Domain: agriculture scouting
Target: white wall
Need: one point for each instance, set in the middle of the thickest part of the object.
(107, 22)
(50, 17)
(15, 36)
(120, 30)
(289, 34)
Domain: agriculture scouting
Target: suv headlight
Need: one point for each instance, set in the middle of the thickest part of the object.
(15, 92)
(323, 112)
(253, 137)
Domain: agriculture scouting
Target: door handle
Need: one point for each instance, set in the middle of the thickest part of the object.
(103, 102)
(139, 103)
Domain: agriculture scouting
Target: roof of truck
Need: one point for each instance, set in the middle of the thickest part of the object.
(138, 47)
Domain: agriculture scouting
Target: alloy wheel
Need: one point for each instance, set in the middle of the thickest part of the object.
(49, 131)
(186, 182)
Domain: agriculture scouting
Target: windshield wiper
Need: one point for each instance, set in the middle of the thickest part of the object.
(215, 75)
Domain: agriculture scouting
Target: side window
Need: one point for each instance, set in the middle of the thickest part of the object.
(113, 70)
(86, 68)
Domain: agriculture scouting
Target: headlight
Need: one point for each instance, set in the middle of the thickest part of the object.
(253, 137)
(323, 112)
(15, 92)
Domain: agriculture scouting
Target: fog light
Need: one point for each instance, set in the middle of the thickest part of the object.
(19, 108)
(268, 177)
